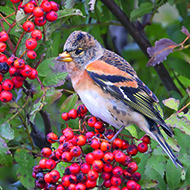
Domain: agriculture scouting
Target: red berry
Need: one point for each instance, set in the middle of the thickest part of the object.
(36, 34)
(72, 186)
(81, 140)
(31, 43)
(98, 154)
(125, 144)
(6, 96)
(97, 165)
(146, 139)
(55, 175)
(92, 121)
(95, 144)
(142, 147)
(19, 63)
(60, 187)
(33, 75)
(85, 168)
(74, 168)
(0, 88)
(26, 71)
(46, 6)
(80, 186)
(31, 54)
(3, 46)
(40, 21)
(105, 146)
(3, 36)
(106, 176)
(65, 116)
(108, 157)
(107, 167)
(127, 175)
(120, 156)
(109, 133)
(50, 164)
(89, 135)
(117, 171)
(10, 60)
(52, 137)
(68, 134)
(65, 181)
(54, 6)
(46, 152)
(47, 178)
(7, 85)
(17, 84)
(132, 167)
(28, 26)
(51, 16)
(131, 185)
(98, 125)
(3, 58)
(72, 114)
(132, 150)
(90, 184)
(92, 175)
(12, 71)
(117, 143)
(29, 7)
(81, 110)
(136, 176)
(89, 158)
(42, 163)
(38, 11)
(67, 157)
(107, 183)
(116, 181)
(75, 151)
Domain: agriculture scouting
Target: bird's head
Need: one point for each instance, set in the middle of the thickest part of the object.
(81, 48)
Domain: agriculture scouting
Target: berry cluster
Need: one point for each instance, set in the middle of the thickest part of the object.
(109, 165)
(17, 69)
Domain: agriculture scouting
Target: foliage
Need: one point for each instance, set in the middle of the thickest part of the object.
(35, 109)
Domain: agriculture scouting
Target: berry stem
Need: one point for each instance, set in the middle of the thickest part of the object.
(23, 54)
(9, 15)
(14, 52)
(183, 107)
(27, 131)
(4, 18)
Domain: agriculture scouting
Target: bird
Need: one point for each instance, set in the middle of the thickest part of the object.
(111, 90)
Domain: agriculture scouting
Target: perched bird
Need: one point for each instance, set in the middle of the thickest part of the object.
(110, 88)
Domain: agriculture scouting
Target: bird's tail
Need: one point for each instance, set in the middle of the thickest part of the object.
(155, 133)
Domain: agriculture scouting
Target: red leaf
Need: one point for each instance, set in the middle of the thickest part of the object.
(160, 51)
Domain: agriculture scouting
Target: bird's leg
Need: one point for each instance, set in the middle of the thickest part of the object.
(117, 133)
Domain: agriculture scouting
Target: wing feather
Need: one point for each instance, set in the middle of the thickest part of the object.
(129, 89)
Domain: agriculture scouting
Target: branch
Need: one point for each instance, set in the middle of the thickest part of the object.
(142, 41)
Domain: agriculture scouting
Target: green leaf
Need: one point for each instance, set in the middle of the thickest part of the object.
(69, 4)
(36, 108)
(55, 79)
(133, 131)
(68, 13)
(46, 67)
(24, 172)
(143, 9)
(171, 103)
(173, 175)
(180, 121)
(147, 184)
(52, 95)
(5, 154)
(6, 131)
(69, 103)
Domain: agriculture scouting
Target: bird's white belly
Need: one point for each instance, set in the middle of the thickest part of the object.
(97, 106)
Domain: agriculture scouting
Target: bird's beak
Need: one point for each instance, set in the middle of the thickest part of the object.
(64, 57)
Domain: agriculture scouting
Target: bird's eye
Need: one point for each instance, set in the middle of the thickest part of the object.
(78, 51)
